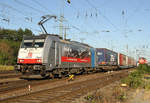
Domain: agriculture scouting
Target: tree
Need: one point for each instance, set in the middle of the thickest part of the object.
(20, 34)
(6, 53)
(28, 32)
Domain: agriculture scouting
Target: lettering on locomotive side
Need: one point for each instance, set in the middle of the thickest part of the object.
(78, 60)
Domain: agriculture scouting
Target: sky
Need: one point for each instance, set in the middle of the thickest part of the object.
(119, 25)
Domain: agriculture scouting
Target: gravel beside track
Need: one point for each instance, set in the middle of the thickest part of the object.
(63, 91)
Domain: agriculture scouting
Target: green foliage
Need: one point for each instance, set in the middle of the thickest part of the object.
(136, 79)
(120, 93)
(5, 68)
(9, 44)
(89, 97)
(8, 52)
(146, 85)
(143, 68)
(122, 96)
(15, 35)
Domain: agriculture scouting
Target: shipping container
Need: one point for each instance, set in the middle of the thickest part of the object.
(122, 60)
(130, 61)
(106, 56)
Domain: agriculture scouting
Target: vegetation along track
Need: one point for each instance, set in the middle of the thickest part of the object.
(67, 92)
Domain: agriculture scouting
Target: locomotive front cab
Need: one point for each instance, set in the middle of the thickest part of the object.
(30, 55)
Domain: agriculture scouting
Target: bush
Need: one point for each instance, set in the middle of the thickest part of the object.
(8, 52)
(134, 80)
(143, 68)
(4, 68)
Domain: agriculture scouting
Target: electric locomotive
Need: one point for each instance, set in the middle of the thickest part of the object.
(50, 55)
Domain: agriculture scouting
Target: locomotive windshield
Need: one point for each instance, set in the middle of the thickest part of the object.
(37, 43)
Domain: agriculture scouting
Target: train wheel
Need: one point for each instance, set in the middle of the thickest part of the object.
(43, 75)
(23, 70)
(51, 75)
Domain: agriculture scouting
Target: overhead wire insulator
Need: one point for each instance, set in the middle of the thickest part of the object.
(28, 19)
(96, 15)
(6, 20)
(122, 12)
(78, 15)
(86, 15)
(91, 14)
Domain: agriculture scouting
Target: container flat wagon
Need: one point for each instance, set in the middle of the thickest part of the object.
(107, 59)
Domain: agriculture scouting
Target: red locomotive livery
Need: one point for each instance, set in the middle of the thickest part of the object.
(142, 60)
(78, 60)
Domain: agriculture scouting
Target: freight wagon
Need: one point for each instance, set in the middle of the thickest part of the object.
(122, 60)
(125, 61)
(107, 59)
(131, 62)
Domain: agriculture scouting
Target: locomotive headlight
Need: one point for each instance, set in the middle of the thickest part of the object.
(21, 60)
(39, 60)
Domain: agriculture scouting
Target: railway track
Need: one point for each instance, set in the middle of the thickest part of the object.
(9, 74)
(6, 71)
(65, 92)
(7, 86)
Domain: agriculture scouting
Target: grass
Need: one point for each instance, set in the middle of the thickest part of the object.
(97, 97)
(6, 68)
(116, 95)
(120, 93)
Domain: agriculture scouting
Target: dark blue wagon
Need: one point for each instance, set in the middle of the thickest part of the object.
(106, 56)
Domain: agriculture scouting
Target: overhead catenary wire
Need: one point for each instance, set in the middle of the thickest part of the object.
(42, 6)
(26, 5)
(26, 17)
(91, 16)
(137, 9)
(79, 16)
(102, 14)
(24, 13)
(81, 31)
(14, 9)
